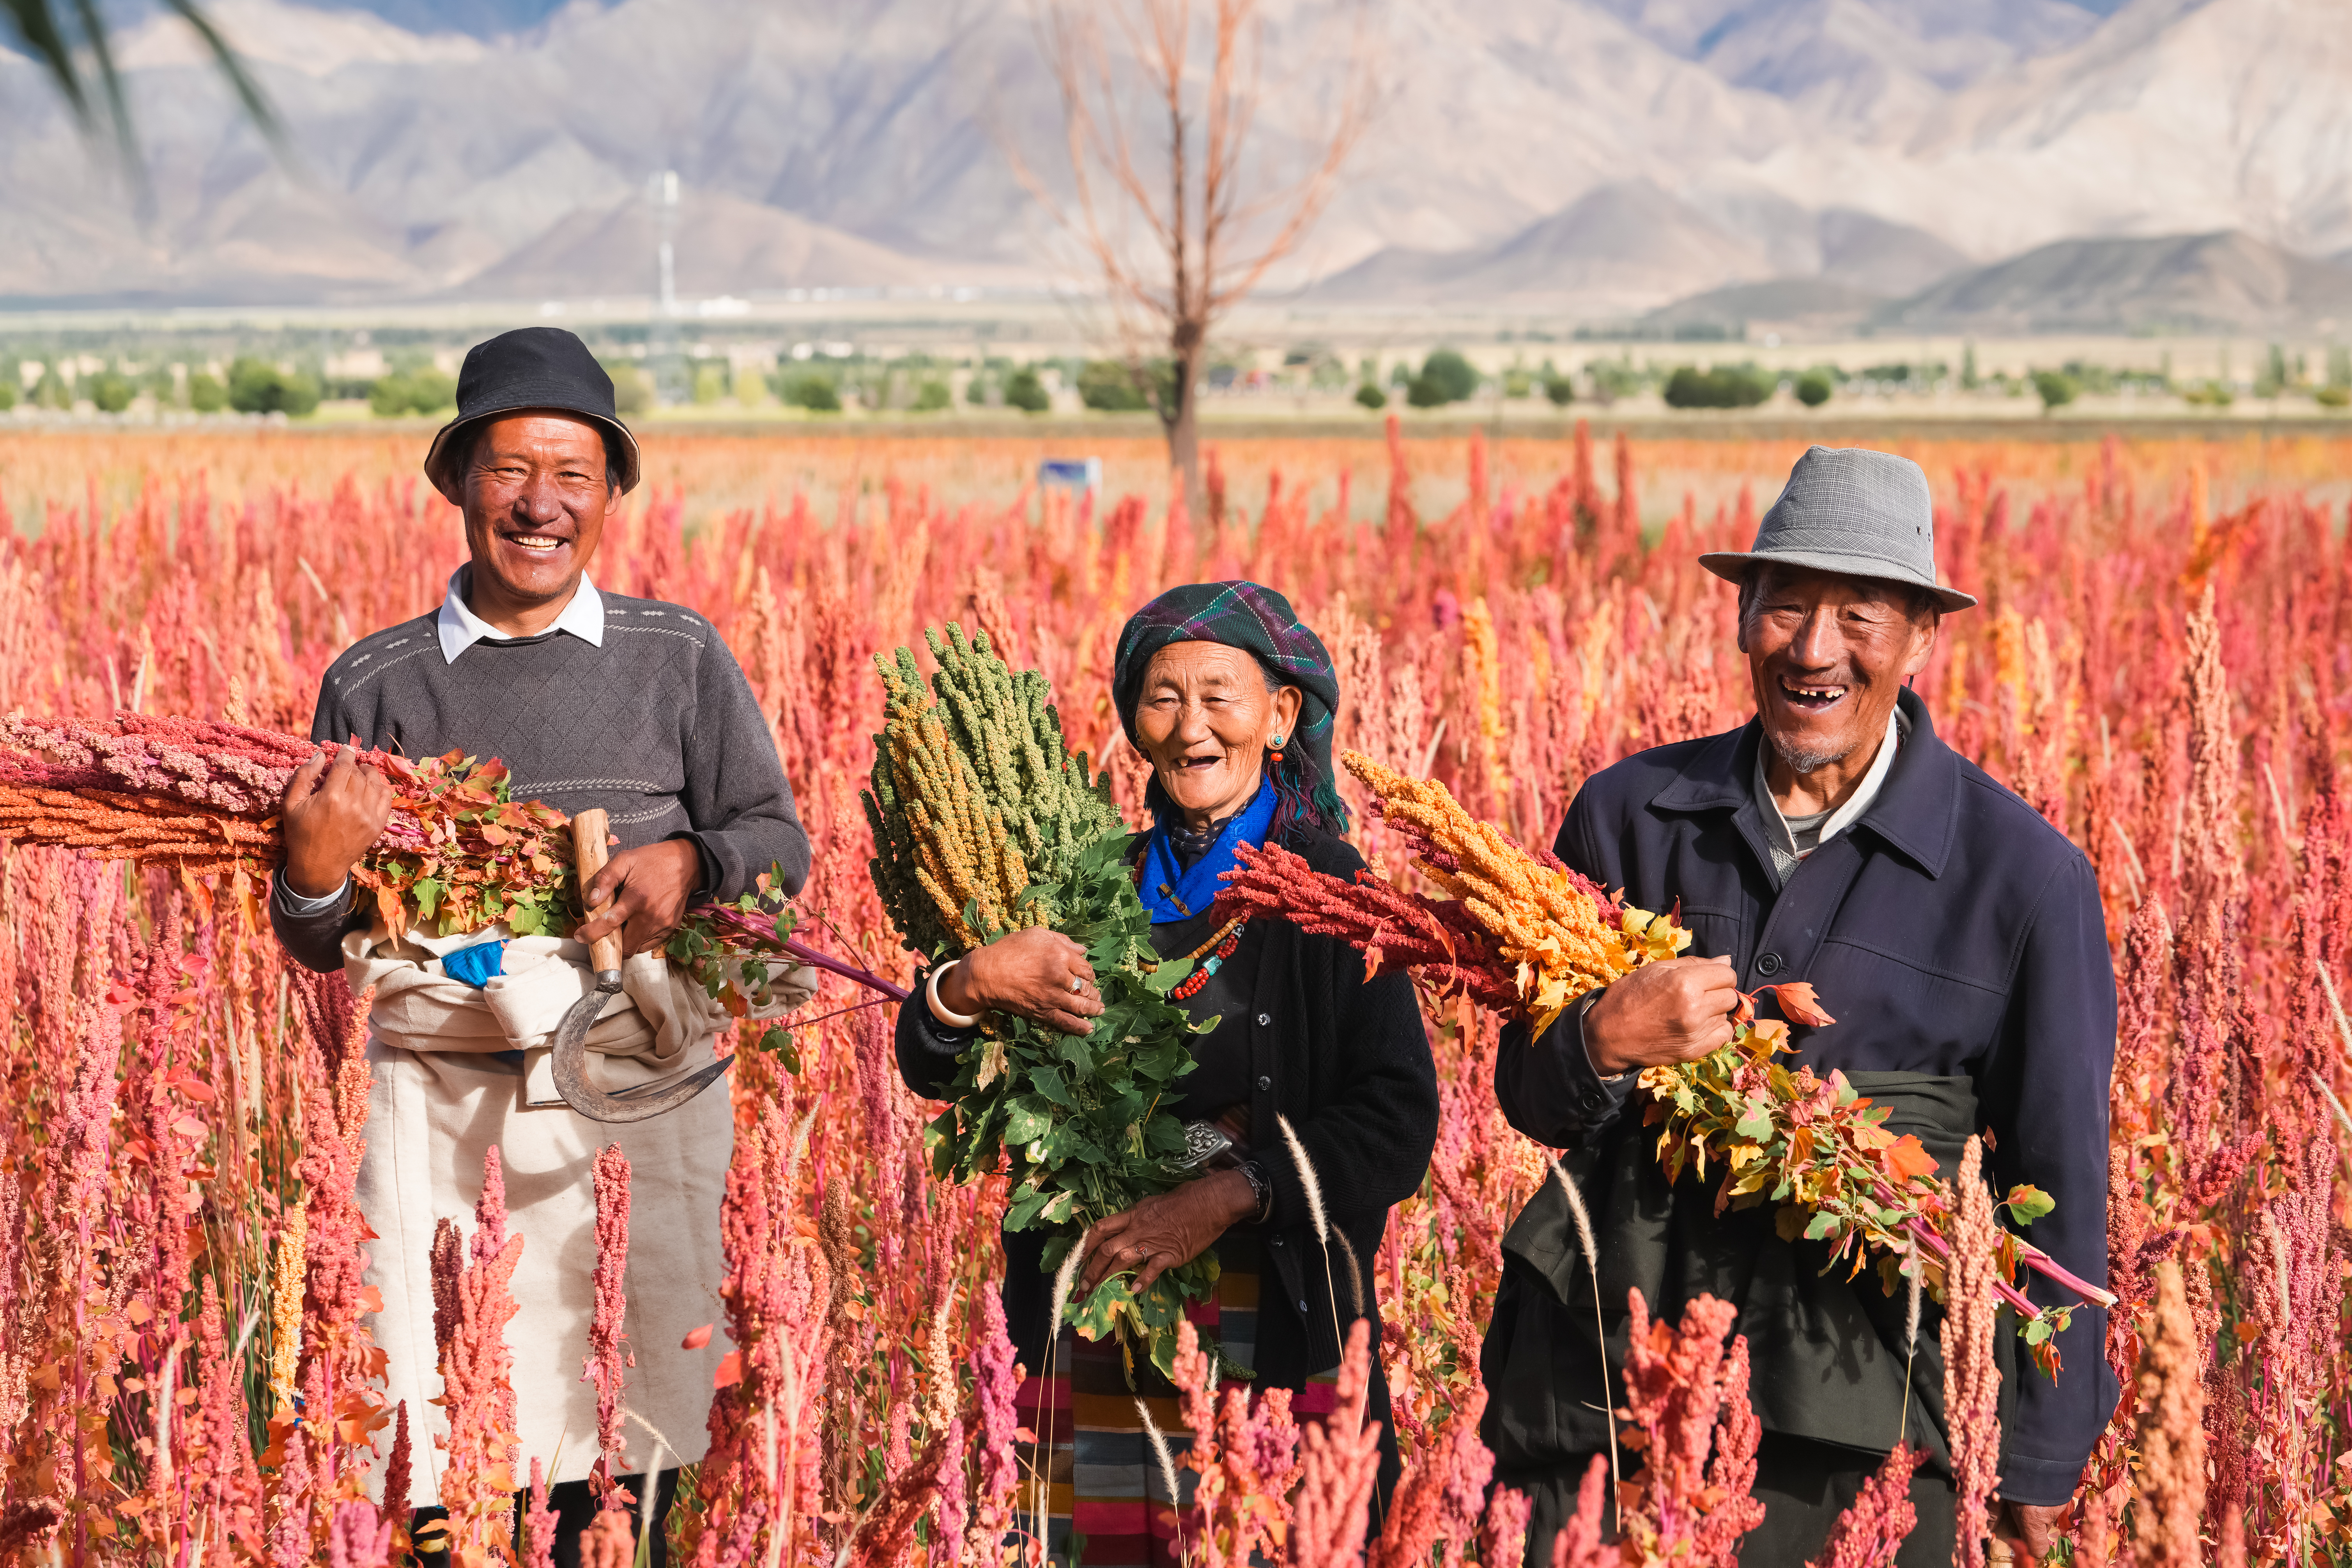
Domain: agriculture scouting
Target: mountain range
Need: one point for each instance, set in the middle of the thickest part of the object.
(1593, 158)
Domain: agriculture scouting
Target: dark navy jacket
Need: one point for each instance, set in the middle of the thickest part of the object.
(1951, 931)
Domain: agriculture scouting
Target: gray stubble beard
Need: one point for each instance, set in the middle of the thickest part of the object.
(1804, 762)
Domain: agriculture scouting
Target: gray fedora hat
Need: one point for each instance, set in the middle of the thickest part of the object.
(1853, 511)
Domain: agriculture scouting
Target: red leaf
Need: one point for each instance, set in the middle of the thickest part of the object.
(1800, 1006)
(1908, 1158)
(696, 1339)
(731, 1371)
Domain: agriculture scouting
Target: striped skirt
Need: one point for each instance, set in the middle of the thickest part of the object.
(1090, 1484)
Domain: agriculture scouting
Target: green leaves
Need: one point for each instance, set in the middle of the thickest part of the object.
(1079, 1121)
(1828, 1156)
(2027, 1204)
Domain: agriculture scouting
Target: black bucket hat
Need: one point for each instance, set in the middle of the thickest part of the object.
(531, 367)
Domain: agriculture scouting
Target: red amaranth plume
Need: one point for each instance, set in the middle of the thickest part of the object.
(204, 798)
(1873, 1527)
(472, 1307)
(1393, 928)
(359, 1537)
(1243, 1452)
(1342, 1459)
(1686, 1406)
(1503, 1532)
(395, 1471)
(2170, 1509)
(1441, 1497)
(605, 1363)
(290, 1545)
(1972, 1380)
(1579, 1543)
(996, 1381)
(538, 1522)
(337, 1350)
(758, 1482)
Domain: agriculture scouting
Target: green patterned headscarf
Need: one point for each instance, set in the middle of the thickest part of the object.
(1259, 621)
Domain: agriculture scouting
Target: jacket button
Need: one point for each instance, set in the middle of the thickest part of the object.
(1768, 963)
(1302, 1306)
(1264, 1084)
(1277, 1241)
(1264, 1019)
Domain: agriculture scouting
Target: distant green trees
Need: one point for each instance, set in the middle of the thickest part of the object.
(425, 391)
(257, 386)
(1557, 389)
(1813, 388)
(111, 391)
(633, 390)
(1026, 390)
(1109, 385)
(1445, 377)
(205, 393)
(1372, 397)
(933, 396)
(1719, 386)
(815, 391)
(2054, 388)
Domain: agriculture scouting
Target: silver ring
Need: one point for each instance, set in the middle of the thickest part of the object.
(1076, 984)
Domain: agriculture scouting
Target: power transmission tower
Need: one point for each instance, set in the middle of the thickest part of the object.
(668, 364)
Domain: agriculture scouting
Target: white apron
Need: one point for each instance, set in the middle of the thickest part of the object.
(441, 1098)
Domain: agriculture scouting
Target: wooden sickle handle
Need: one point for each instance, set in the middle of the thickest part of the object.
(588, 856)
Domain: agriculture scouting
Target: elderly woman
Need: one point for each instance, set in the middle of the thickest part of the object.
(1231, 701)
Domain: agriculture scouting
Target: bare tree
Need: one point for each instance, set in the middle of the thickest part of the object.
(1168, 144)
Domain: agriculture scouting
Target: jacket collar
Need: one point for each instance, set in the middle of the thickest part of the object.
(1917, 812)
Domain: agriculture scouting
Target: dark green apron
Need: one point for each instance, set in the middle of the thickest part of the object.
(1825, 1352)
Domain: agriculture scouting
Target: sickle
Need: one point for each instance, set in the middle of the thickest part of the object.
(569, 1061)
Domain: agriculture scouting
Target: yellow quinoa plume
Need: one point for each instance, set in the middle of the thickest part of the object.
(1565, 941)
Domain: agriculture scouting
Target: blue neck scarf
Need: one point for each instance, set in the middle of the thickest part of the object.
(1171, 894)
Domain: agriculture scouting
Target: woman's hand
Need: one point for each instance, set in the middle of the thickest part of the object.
(1037, 975)
(1168, 1231)
(328, 822)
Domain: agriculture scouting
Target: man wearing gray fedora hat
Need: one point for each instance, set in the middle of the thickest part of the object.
(1960, 940)
(593, 701)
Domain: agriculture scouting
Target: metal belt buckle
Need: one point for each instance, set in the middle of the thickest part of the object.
(1203, 1142)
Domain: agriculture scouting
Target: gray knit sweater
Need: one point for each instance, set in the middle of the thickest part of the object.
(658, 727)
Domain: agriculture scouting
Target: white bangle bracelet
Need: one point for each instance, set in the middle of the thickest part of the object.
(939, 1008)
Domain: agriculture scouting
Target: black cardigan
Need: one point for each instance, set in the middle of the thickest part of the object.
(1346, 1059)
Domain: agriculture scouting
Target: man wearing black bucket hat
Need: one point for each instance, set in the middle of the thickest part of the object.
(1959, 939)
(593, 700)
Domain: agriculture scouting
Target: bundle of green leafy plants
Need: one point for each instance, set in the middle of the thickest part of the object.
(985, 823)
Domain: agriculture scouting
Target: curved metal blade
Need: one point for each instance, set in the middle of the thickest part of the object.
(639, 1102)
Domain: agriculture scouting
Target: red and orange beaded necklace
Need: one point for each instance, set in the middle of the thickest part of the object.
(1225, 941)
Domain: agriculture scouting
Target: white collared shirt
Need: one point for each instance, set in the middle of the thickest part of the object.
(460, 628)
(1776, 824)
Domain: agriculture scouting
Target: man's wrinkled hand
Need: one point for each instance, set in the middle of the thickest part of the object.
(1166, 1231)
(332, 813)
(1036, 974)
(2031, 1530)
(643, 893)
(1675, 1011)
